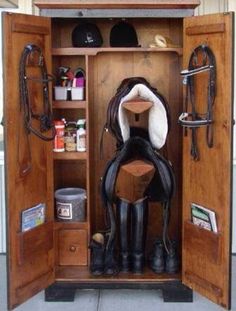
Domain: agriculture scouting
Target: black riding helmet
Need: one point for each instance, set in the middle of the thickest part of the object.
(86, 35)
(123, 34)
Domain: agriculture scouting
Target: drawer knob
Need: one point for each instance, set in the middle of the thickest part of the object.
(72, 248)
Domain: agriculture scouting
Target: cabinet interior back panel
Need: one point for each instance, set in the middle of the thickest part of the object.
(109, 69)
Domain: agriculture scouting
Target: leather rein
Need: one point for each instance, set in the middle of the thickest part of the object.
(201, 60)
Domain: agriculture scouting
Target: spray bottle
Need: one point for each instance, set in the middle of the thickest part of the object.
(81, 135)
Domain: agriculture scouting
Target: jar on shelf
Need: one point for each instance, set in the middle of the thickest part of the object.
(70, 136)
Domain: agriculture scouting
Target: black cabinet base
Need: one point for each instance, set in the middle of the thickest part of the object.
(59, 293)
(172, 291)
(177, 293)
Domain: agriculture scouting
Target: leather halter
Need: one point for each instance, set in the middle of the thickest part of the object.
(201, 60)
(45, 119)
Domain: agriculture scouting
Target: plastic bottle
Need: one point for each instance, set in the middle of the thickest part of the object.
(59, 137)
(81, 135)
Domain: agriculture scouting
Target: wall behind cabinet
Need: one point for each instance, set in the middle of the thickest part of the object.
(212, 6)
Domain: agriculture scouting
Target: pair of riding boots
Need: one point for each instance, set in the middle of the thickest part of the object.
(102, 257)
(164, 260)
(132, 228)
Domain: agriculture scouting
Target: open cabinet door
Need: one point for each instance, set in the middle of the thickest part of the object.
(207, 182)
(29, 164)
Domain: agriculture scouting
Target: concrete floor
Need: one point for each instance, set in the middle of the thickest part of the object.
(115, 300)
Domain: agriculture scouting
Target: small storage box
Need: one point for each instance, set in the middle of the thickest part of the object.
(77, 93)
(60, 92)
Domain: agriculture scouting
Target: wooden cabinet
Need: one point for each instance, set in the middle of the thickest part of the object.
(59, 251)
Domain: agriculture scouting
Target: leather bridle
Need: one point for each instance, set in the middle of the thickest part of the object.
(201, 60)
(45, 119)
(30, 54)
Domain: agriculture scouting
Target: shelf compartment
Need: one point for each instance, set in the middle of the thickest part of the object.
(69, 104)
(70, 155)
(81, 274)
(94, 51)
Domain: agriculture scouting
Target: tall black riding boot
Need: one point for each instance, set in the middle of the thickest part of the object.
(123, 217)
(139, 232)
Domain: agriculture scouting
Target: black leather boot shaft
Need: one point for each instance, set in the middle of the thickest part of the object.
(139, 232)
(124, 224)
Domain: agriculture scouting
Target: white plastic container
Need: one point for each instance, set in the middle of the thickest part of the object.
(77, 93)
(81, 136)
(60, 92)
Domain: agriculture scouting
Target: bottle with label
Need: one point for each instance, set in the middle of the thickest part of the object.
(81, 135)
(59, 137)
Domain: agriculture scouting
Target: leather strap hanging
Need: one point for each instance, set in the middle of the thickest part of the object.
(45, 118)
(201, 60)
(32, 56)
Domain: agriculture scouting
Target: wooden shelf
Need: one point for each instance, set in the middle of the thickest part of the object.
(81, 274)
(73, 155)
(70, 225)
(70, 51)
(69, 104)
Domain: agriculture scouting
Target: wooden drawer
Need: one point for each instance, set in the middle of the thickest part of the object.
(73, 250)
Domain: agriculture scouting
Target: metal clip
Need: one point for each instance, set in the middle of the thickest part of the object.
(185, 80)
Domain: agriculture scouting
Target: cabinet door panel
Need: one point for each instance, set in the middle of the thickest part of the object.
(207, 182)
(28, 166)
